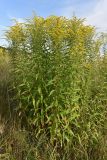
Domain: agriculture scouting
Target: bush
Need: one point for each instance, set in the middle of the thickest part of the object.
(59, 84)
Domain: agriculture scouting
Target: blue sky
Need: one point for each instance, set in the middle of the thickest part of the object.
(93, 10)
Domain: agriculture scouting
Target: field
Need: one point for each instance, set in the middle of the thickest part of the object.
(53, 91)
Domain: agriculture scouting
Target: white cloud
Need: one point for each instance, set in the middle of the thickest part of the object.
(20, 20)
(95, 12)
(2, 36)
(2, 27)
(98, 16)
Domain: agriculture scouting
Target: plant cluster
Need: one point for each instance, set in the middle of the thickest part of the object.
(59, 82)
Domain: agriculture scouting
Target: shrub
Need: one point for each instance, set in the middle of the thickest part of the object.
(59, 84)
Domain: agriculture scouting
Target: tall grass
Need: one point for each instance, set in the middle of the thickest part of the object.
(4, 80)
(59, 82)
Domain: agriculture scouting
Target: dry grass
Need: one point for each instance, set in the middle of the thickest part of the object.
(4, 81)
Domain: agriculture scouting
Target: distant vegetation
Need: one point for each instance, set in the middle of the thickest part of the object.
(54, 80)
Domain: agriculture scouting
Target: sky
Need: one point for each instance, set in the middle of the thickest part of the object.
(95, 11)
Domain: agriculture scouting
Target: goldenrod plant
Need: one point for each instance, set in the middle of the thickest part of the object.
(60, 86)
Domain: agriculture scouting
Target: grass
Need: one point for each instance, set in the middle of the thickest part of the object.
(4, 80)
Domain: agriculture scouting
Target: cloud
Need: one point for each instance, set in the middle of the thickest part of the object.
(3, 41)
(18, 19)
(2, 30)
(95, 12)
(21, 20)
(98, 16)
(1, 26)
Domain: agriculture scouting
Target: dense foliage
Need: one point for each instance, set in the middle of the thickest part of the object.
(59, 82)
